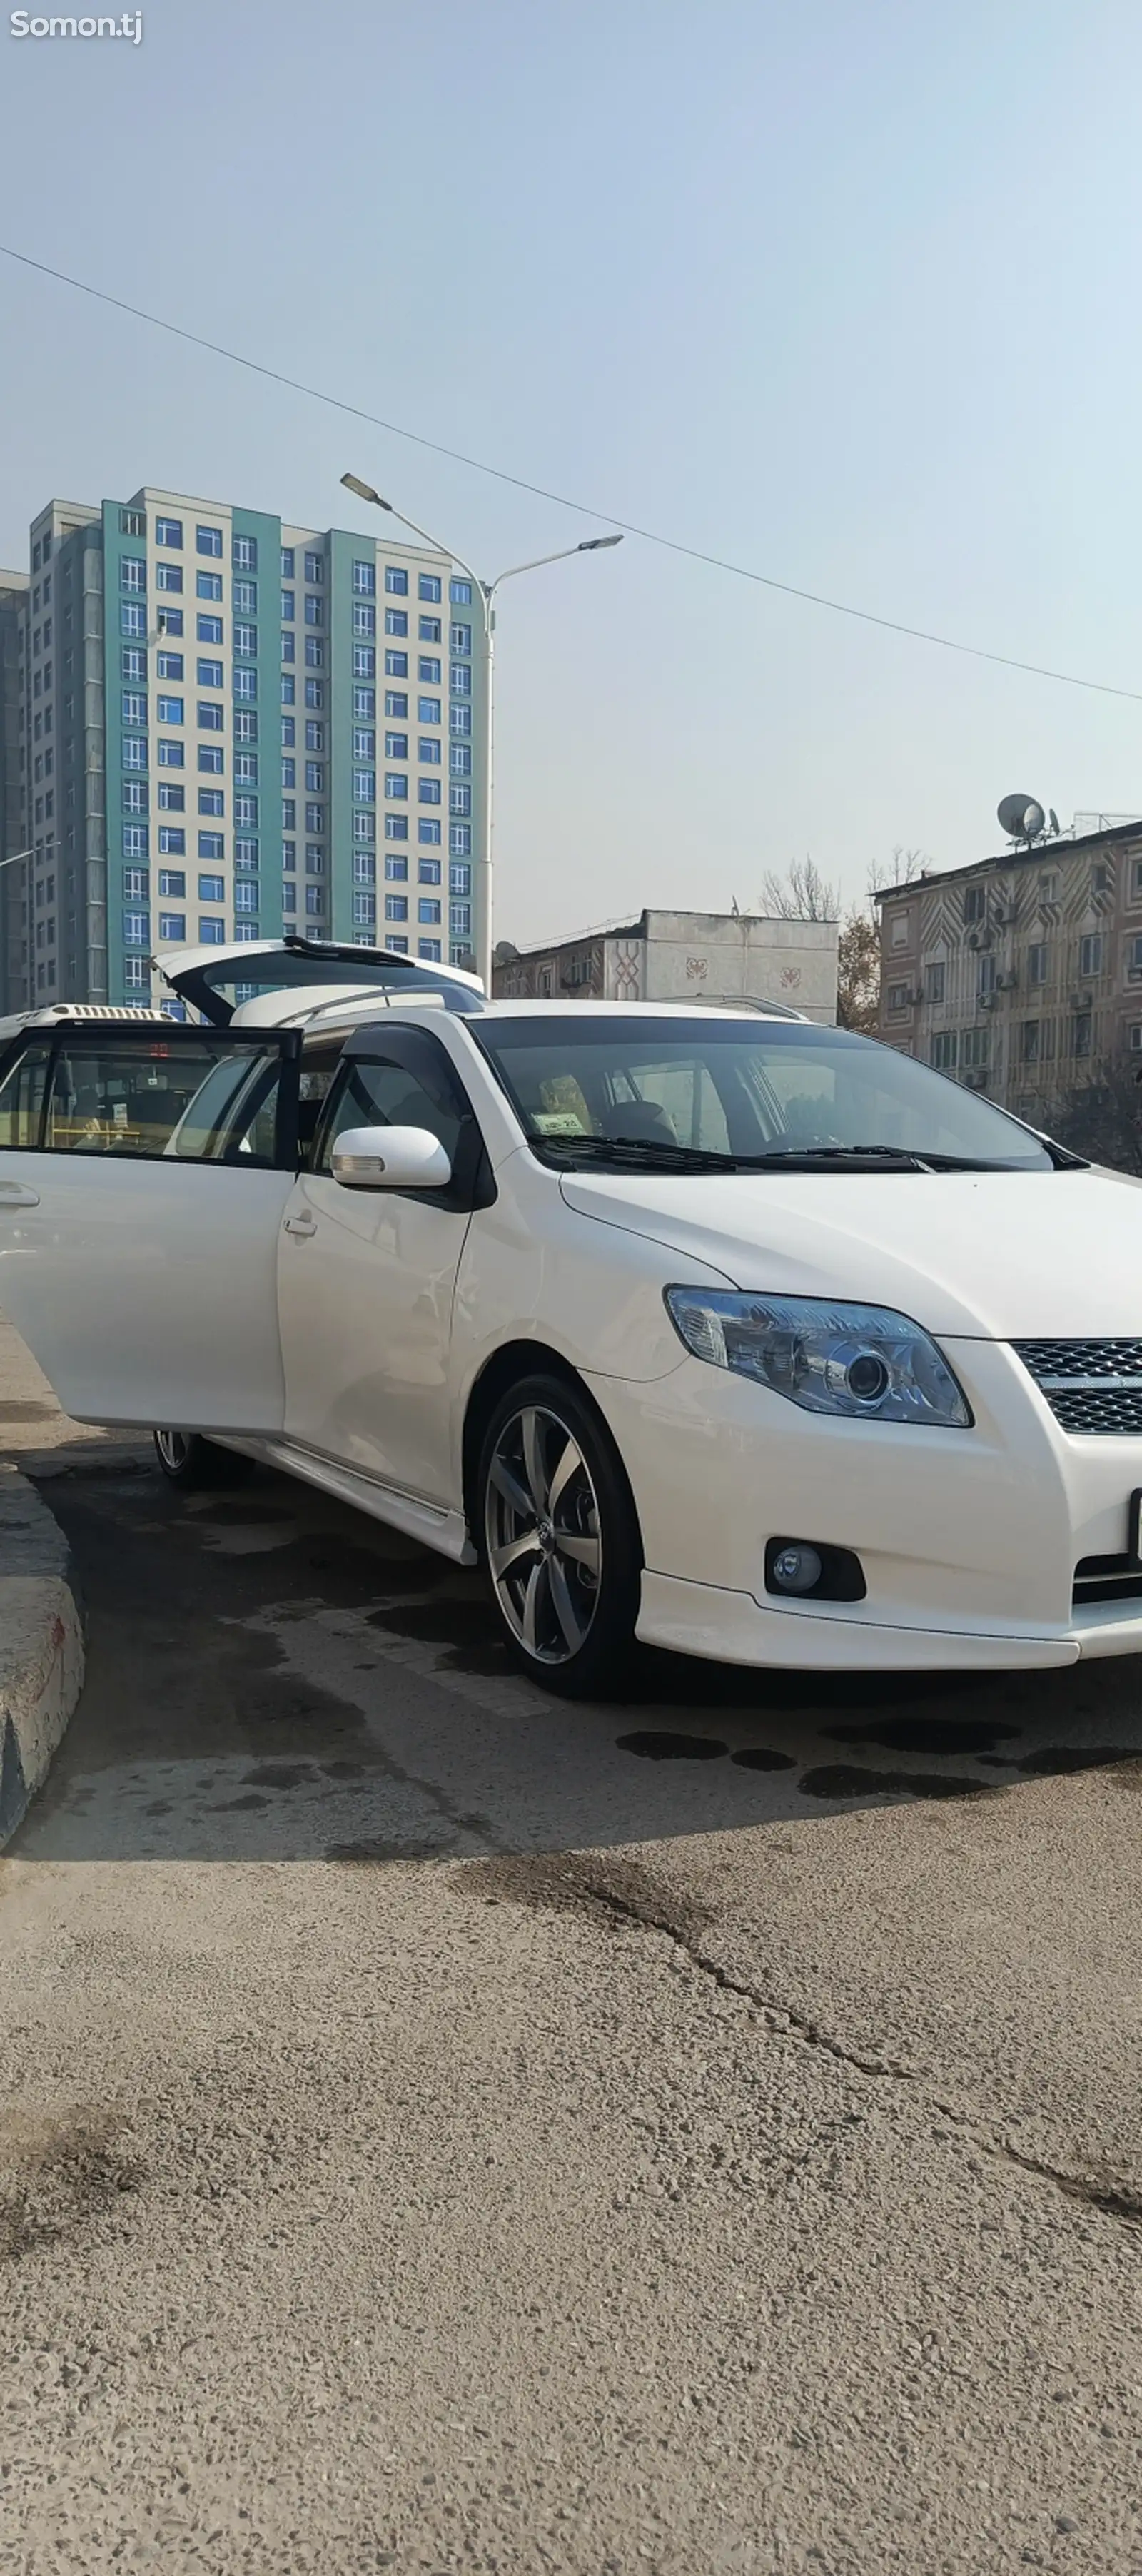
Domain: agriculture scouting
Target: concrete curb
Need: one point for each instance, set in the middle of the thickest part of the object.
(41, 1645)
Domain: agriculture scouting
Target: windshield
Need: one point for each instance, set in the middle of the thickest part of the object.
(707, 1094)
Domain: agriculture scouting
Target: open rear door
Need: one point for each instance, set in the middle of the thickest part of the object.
(144, 1174)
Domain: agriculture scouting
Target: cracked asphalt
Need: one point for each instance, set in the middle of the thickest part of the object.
(444, 2130)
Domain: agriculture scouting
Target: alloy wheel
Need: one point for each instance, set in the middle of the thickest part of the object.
(542, 1532)
(174, 1450)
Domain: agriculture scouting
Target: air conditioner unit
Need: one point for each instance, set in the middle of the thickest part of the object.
(986, 1001)
(1006, 983)
(976, 1080)
(1004, 915)
(1082, 1001)
(917, 993)
(976, 938)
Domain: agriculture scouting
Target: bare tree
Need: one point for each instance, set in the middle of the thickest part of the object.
(802, 894)
(1100, 1117)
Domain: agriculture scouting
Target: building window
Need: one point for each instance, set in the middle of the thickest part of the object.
(136, 929)
(1082, 1032)
(209, 721)
(460, 802)
(208, 585)
(132, 621)
(396, 783)
(1029, 1041)
(429, 791)
(172, 925)
(171, 710)
(460, 593)
(211, 889)
(132, 523)
(172, 800)
(975, 906)
(168, 532)
(135, 974)
(170, 666)
(134, 708)
(428, 629)
(244, 554)
(245, 642)
(396, 666)
(168, 576)
(289, 689)
(364, 908)
(364, 617)
(460, 840)
(974, 1048)
(244, 598)
(396, 907)
(172, 881)
(898, 997)
(461, 680)
(986, 975)
(245, 898)
(933, 972)
(459, 880)
(944, 1045)
(245, 725)
(428, 871)
(314, 901)
(1037, 962)
(428, 710)
(171, 756)
(315, 653)
(133, 663)
(315, 777)
(209, 673)
(136, 882)
(314, 859)
(211, 931)
(460, 720)
(1136, 1038)
(396, 580)
(289, 773)
(246, 768)
(210, 845)
(364, 702)
(429, 670)
(460, 922)
(429, 949)
(428, 586)
(289, 814)
(245, 683)
(314, 609)
(289, 895)
(211, 800)
(172, 845)
(460, 639)
(208, 541)
(364, 578)
(287, 563)
(428, 831)
(315, 818)
(1100, 877)
(430, 750)
(1090, 953)
(132, 576)
(460, 759)
(364, 868)
(245, 851)
(396, 869)
(170, 621)
(365, 786)
(246, 811)
(396, 704)
(396, 827)
(314, 567)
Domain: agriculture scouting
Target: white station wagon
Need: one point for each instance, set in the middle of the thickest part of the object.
(739, 1335)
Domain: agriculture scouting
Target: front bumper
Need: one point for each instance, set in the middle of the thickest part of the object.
(969, 1540)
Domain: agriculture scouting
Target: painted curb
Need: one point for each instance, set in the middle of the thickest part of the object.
(41, 1645)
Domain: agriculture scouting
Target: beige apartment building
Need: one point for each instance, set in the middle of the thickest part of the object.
(1019, 975)
(682, 957)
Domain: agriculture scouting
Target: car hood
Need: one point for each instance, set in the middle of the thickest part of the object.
(1002, 1256)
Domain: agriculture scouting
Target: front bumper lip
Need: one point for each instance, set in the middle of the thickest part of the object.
(736, 1628)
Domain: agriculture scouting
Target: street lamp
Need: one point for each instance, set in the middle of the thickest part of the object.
(484, 592)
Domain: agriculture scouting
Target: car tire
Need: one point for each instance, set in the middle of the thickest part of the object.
(558, 1537)
(196, 1464)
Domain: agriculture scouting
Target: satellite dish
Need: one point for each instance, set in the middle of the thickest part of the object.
(1021, 818)
(1054, 824)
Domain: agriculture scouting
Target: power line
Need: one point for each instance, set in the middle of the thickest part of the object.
(541, 492)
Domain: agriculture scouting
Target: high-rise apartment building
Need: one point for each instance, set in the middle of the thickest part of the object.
(13, 602)
(1019, 975)
(230, 727)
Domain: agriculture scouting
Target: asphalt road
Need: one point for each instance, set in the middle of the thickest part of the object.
(445, 2130)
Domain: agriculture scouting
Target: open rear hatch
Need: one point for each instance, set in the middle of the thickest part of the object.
(215, 980)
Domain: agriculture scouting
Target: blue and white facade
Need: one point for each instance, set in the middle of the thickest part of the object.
(231, 727)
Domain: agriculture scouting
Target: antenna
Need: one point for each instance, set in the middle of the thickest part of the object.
(1021, 818)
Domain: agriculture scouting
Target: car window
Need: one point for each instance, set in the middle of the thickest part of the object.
(22, 1096)
(380, 1093)
(318, 1067)
(682, 1092)
(163, 1099)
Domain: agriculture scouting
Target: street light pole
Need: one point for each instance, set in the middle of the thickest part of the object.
(484, 592)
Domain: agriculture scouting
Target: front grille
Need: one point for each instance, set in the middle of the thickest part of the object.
(1091, 1387)
(1106, 1578)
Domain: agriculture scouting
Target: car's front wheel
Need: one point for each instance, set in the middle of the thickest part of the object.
(559, 1538)
(189, 1460)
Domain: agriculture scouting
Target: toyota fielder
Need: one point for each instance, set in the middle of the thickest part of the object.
(743, 1336)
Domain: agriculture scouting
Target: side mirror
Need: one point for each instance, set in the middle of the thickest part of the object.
(390, 1158)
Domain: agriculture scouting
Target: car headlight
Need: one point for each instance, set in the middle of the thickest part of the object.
(862, 1362)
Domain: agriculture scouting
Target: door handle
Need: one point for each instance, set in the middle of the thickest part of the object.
(14, 1194)
(303, 1225)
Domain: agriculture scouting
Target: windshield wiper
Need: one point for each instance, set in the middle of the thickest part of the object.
(650, 1152)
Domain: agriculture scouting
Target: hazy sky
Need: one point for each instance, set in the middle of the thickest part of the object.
(846, 292)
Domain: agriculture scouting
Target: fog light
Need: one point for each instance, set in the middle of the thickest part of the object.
(795, 1569)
